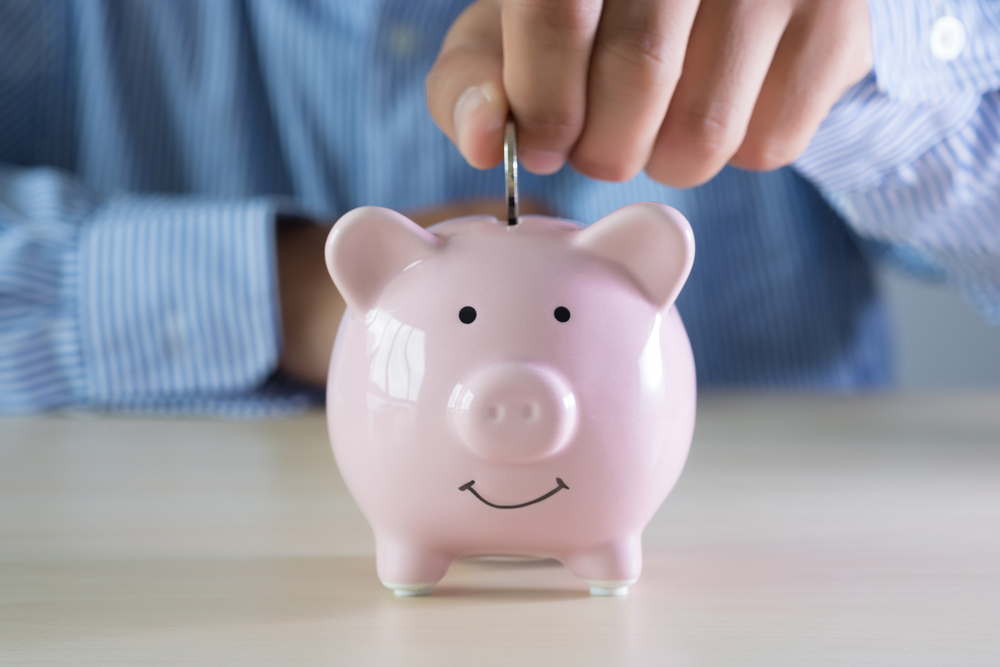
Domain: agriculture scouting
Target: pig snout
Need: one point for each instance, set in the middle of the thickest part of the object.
(514, 412)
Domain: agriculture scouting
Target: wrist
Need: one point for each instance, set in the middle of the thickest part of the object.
(311, 306)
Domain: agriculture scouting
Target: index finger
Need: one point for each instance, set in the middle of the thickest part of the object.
(546, 56)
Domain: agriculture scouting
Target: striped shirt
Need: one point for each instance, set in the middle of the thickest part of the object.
(147, 146)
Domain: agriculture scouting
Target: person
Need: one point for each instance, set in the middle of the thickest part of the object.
(164, 166)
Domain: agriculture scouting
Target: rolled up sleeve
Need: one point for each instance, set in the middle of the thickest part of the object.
(910, 156)
(138, 303)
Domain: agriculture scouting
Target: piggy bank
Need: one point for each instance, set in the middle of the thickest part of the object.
(521, 390)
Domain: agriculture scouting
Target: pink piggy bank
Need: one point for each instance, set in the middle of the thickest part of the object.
(523, 389)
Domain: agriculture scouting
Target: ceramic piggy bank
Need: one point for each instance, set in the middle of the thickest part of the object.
(524, 389)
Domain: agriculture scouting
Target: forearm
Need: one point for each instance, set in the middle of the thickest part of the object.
(311, 307)
(131, 302)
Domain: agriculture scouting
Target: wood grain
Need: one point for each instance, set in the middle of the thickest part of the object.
(804, 531)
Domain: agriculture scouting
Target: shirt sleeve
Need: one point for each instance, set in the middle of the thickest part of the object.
(910, 156)
(152, 304)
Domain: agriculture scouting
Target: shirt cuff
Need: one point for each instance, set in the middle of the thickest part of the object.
(869, 135)
(929, 52)
(177, 298)
(933, 213)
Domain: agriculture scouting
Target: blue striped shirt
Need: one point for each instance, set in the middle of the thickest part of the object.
(146, 148)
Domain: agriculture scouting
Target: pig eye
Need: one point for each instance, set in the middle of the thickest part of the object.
(468, 314)
(562, 314)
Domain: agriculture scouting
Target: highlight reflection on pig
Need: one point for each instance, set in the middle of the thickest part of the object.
(511, 390)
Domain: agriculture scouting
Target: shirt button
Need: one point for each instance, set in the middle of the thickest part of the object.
(947, 38)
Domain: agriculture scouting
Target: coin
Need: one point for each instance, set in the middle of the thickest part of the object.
(510, 169)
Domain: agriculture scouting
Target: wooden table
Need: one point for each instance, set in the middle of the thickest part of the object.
(805, 531)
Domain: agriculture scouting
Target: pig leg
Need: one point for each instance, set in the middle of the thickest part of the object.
(610, 568)
(409, 569)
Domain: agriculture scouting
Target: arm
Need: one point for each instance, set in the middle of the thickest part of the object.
(682, 87)
(163, 304)
(130, 302)
(911, 155)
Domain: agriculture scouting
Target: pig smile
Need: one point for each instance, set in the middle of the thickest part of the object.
(560, 485)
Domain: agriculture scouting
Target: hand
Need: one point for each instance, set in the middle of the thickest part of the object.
(311, 306)
(676, 87)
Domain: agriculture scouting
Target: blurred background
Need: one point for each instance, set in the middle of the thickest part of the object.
(941, 342)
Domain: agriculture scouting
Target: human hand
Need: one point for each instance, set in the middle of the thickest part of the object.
(311, 306)
(678, 87)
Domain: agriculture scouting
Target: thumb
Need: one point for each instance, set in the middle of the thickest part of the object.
(465, 94)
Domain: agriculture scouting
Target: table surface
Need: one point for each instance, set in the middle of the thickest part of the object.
(804, 531)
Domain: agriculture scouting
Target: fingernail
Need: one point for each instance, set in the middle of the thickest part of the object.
(541, 162)
(468, 112)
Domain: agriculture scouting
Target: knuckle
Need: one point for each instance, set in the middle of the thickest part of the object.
(637, 66)
(710, 131)
(640, 44)
(559, 122)
(567, 19)
(698, 140)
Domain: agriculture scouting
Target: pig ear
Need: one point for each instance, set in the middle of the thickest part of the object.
(370, 246)
(652, 242)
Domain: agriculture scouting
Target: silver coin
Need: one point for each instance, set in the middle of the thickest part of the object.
(510, 169)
